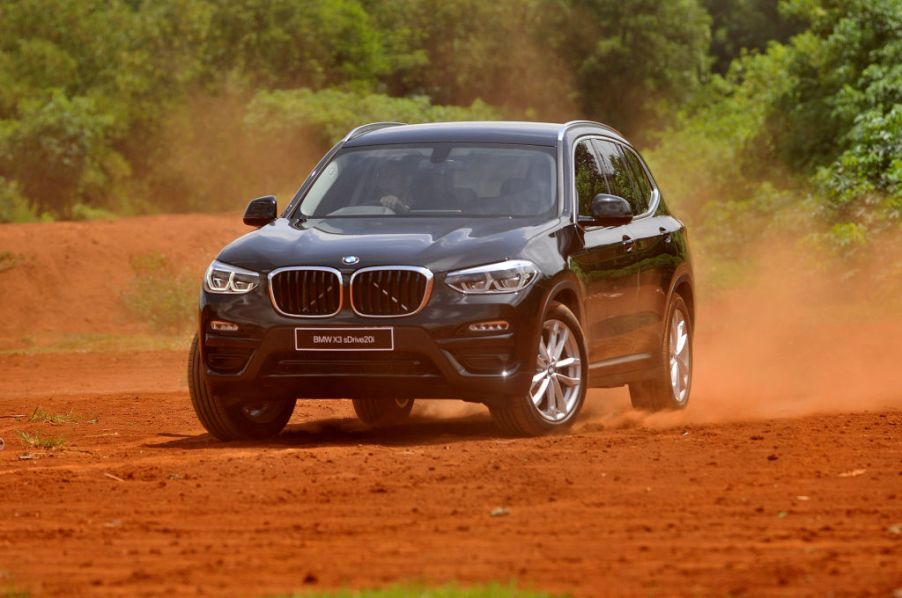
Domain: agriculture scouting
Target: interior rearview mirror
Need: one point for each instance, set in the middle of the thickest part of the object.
(609, 210)
(260, 211)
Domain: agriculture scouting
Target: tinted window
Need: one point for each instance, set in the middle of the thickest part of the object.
(643, 186)
(617, 171)
(589, 177)
(439, 179)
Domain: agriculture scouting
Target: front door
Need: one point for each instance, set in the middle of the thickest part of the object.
(604, 264)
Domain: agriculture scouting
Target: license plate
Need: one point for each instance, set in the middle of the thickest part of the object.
(344, 339)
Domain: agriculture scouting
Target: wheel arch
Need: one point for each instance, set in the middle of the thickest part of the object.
(683, 285)
(563, 288)
(566, 290)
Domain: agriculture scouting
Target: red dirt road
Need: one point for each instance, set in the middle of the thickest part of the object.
(143, 502)
(784, 475)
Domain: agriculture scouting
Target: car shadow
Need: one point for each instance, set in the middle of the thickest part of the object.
(418, 430)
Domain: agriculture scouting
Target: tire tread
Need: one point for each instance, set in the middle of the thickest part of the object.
(215, 417)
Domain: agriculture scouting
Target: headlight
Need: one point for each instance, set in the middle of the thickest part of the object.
(504, 277)
(230, 280)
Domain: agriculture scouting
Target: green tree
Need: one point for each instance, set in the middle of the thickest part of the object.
(458, 52)
(286, 44)
(746, 25)
(60, 153)
(631, 58)
(843, 114)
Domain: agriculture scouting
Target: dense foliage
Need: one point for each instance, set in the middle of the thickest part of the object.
(810, 129)
(752, 111)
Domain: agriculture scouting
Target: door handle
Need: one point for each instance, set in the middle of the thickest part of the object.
(668, 236)
(628, 243)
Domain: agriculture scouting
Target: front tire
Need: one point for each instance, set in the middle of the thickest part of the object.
(670, 387)
(558, 387)
(255, 421)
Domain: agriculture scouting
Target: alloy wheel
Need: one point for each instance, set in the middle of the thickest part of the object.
(680, 356)
(557, 383)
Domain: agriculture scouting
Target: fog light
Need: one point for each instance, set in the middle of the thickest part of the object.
(493, 326)
(220, 326)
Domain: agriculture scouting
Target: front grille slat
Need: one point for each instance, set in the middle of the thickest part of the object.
(309, 279)
(306, 292)
(385, 292)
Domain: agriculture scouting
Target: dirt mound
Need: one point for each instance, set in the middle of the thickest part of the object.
(68, 277)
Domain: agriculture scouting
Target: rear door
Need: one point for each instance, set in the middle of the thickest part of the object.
(602, 263)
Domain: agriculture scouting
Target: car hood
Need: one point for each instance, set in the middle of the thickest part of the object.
(440, 244)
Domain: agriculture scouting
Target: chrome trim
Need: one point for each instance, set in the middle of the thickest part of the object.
(585, 123)
(606, 363)
(369, 128)
(275, 304)
(426, 294)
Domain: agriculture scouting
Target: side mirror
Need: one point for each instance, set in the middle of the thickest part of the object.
(260, 211)
(609, 210)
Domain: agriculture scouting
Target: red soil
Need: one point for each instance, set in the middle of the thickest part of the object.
(784, 476)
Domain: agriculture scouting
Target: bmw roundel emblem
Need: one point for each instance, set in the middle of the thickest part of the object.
(350, 260)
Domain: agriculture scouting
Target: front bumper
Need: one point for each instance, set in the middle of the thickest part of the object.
(434, 356)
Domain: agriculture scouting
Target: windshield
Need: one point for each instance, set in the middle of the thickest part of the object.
(440, 179)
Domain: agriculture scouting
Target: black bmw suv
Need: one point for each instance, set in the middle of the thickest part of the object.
(510, 264)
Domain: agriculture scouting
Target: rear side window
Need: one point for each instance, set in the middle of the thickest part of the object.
(617, 171)
(590, 180)
(643, 185)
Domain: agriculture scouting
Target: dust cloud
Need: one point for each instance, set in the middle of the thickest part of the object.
(798, 337)
(211, 160)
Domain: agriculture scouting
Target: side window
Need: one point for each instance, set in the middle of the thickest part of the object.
(620, 179)
(589, 178)
(643, 186)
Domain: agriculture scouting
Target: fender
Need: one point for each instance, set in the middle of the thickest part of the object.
(564, 281)
(683, 274)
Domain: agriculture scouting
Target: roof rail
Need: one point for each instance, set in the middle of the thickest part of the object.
(576, 123)
(369, 128)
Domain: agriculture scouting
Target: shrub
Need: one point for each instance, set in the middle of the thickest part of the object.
(161, 295)
(330, 113)
(14, 207)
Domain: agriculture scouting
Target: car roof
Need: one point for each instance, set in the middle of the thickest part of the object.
(531, 133)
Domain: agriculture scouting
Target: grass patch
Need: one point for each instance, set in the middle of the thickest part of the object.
(35, 440)
(161, 295)
(9, 260)
(41, 416)
(493, 590)
(14, 592)
(84, 212)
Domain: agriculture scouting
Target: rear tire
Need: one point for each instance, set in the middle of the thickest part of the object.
(671, 385)
(382, 411)
(254, 421)
(559, 383)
